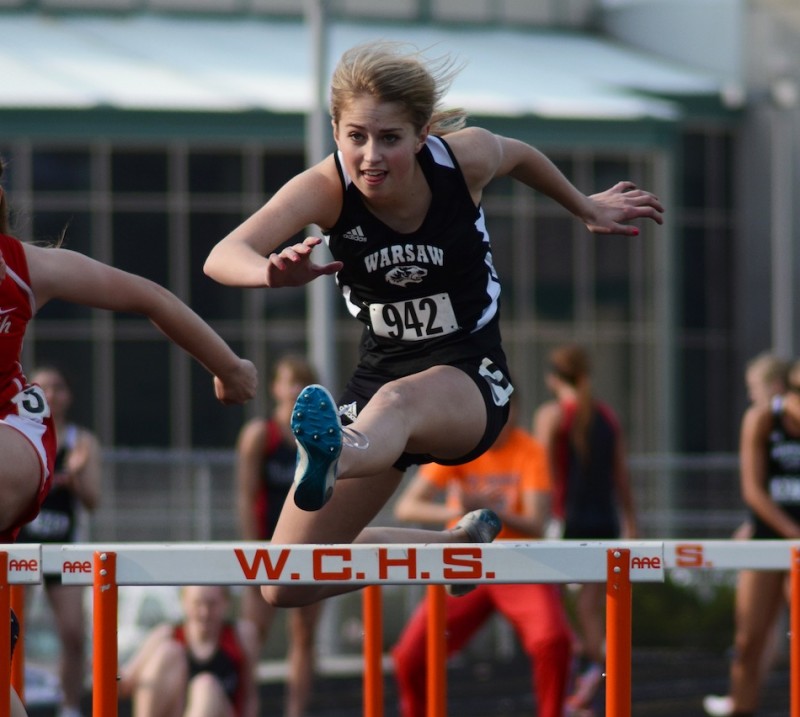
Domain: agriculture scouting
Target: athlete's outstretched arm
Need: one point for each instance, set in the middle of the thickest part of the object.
(246, 257)
(483, 156)
(70, 276)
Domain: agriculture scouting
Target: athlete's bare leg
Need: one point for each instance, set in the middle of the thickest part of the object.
(438, 411)
(20, 475)
(759, 595)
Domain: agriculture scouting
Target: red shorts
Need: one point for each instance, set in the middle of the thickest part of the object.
(28, 414)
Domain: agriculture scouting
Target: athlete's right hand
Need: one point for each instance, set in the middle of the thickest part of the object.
(293, 266)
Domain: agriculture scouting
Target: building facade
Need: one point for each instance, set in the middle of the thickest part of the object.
(147, 172)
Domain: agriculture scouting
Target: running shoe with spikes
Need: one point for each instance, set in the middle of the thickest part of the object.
(481, 526)
(318, 433)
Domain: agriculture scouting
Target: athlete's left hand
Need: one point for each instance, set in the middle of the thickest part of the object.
(620, 204)
(293, 266)
(239, 385)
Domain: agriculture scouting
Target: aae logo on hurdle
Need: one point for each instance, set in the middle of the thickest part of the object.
(24, 564)
(261, 563)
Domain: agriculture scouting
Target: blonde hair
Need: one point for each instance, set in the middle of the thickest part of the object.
(768, 368)
(793, 376)
(299, 366)
(570, 363)
(394, 72)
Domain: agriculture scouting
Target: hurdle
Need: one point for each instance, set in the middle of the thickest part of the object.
(108, 566)
(20, 565)
(617, 563)
(750, 555)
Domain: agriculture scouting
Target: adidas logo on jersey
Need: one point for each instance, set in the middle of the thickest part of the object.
(355, 234)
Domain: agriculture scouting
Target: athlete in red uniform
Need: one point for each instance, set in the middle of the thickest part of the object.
(593, 497)
(30, 276)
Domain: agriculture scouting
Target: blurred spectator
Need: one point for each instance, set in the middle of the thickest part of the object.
(266, 455)
(201, 667)
(593, 499)
(513, 480)
(765, 377)
(769, 457)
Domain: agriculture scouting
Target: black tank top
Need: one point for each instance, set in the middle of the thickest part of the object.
(226, 664)
(783, 473)
(277, 476)
(427, 297)
(57, 521)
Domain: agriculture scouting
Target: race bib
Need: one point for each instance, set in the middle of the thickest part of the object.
(32, 404)
(414, 319)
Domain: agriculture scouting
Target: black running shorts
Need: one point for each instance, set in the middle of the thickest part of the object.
(490, 375)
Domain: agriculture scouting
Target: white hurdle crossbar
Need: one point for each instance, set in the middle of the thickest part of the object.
(110, 565)
(729, 554)
(356, 565)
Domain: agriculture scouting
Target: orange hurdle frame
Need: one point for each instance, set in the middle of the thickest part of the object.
(373, 651)
(618, 643)
(618, 637)
(5, 636)
(18, 662)
(104, 639)
(794, 635)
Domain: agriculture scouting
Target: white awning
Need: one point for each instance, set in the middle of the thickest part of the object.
(154, 62)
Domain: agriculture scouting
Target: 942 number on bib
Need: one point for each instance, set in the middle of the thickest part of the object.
(414, 319)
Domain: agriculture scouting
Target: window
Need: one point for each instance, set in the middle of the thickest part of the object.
(61, 170)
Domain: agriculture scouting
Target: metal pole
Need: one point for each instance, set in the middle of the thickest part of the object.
(782, 224)
(5, 637)
(618, 633)
(794, 636)
(436, 652)
(104, 640)
(321, 293)
(373, 651)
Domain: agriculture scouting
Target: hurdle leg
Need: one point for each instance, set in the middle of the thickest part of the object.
(5, 638)
(372, 607)
(794, 635)
(104, 640)
(618, 633)
(436, 653)
(18, 663)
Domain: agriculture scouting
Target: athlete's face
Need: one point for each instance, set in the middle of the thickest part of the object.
(205, 607)
(378, 145)
(287, 385)
(759, 390)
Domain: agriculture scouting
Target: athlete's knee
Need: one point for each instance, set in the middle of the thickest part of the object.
(287, 596)
(747, 646)
(397, 395)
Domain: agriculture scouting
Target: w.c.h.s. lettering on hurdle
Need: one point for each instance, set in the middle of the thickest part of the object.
(336, 565)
